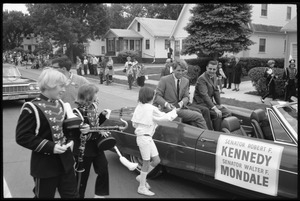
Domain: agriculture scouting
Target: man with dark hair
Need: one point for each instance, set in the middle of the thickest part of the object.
(290, 75)
(63, 64)
(173, 91)
(207, 94)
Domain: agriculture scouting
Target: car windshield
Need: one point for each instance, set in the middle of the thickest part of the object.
(10, 72)
(290, 112)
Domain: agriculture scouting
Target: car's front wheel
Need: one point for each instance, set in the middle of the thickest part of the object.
(157, 171)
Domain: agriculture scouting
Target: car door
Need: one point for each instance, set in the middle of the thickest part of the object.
(246, 163)
(176, 143)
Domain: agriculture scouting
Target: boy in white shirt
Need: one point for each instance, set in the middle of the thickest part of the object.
(144, 120)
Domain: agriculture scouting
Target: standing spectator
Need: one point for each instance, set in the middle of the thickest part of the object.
(78, 65)
(173, 91)
(144, 120)
(102, 67)
(129, 73)
(207, 94)
(169, 52)
(270, 81)
(95, 63)
(63, 64)
(90, 65)
(140, 74)
(229, 69)
(52, 162)
(110, 67)
(237, 73)
(289, 76)
(134, 68)
(220, 76)
(85, 65)
(167, 70)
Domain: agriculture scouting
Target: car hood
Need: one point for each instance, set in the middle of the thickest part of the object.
(17, 80)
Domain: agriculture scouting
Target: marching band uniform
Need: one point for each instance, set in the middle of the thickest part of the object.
(40, 128)
(289, 76)
(92, 154)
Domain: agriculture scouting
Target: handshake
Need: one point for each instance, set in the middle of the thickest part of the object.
(170, 106)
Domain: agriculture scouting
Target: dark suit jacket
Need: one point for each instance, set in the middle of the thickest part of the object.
(206, 90)
(166, 91)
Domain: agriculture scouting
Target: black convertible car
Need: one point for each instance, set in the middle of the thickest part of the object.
(256, 155)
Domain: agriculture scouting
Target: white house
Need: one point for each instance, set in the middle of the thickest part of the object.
(178, 33)
(30, 42)
(95, 47)
(290, 29)
(266, 23)
(148, 36)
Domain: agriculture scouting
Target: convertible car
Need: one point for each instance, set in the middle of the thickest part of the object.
(16, 87)
(255, 155)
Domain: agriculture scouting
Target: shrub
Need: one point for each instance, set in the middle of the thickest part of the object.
(259, 81)
(193, 73)
(128, 53)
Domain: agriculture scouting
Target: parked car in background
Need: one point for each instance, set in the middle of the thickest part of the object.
(16, 87)
(240, 159)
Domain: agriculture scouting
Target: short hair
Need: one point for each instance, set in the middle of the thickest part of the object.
(63, 61)
(271, 62)
(86, 94)
(212, 62)
(180, 62)
(51, 78)
(146, 94)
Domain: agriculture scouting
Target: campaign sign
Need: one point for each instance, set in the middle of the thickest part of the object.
(248, 164)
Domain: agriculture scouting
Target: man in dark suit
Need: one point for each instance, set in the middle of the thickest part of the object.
(173, 91)
(207, 94)
(167, 70)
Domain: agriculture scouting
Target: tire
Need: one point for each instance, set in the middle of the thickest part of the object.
(157, 171)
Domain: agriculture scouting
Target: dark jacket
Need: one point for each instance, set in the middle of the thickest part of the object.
(206, 91)
(44, 163)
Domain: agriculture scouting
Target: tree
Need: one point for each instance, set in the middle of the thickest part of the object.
(121, 15)
(70, 24)
(217, 28)
(15, 25)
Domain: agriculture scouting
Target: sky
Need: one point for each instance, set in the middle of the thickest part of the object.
(16, 7)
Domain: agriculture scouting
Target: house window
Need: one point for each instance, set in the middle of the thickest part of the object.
(131, 44)
(110, 46)
(289, 13)
(177, 47)
(167, 43)
(264, 9)
(138, 27)
(262, 45)
(102, 49)
(147, 44)
(137, 45)
(125, 46)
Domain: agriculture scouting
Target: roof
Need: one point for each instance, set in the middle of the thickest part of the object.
(185, 6)
(156, 27)
(291, 26)
(125, 33)
(265, 28)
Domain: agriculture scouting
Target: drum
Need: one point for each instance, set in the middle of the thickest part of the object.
(106, 143)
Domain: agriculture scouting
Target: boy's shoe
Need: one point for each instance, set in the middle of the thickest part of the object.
(145, 191)
(146, 184)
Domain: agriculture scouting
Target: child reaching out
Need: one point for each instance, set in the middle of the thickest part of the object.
(144, 120)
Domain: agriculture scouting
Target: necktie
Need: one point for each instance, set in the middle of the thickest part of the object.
(178, 89)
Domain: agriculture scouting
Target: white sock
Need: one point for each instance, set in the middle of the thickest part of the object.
(143, 176)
